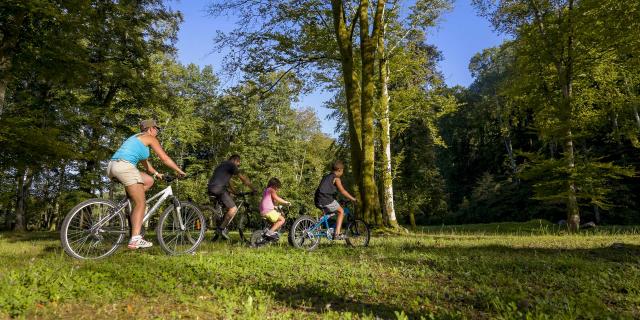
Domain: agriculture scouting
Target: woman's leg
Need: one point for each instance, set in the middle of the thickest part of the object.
(136, 194)
(147, 180)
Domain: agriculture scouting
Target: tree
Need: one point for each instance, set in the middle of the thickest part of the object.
(554, 46)
(64, 66)
(403, 38)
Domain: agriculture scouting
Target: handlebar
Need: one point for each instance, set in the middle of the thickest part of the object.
(169, 178)
(283, 206)
(243, 194)
(345, 202)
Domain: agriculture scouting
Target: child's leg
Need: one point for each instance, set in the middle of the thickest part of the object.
(340, 213)
(277, 224)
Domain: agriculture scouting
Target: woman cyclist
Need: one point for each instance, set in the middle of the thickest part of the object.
(123, 168)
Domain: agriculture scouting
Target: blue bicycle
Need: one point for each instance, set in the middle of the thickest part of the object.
(306, 231)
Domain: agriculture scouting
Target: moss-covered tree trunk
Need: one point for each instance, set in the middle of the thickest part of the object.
(344, 38)
(412, 217)
(367, 102)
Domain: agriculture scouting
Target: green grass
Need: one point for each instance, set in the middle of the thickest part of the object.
(508, 271)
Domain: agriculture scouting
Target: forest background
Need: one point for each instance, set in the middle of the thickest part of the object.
(548, 129)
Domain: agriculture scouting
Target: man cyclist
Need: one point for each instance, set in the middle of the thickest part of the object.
(217, 188)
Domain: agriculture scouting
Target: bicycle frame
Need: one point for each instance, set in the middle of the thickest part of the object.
(221, 212)
(160, 196)
(163, 195)
(317, 228)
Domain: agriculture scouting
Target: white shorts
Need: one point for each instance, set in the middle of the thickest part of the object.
(331, 207)
(124, 171)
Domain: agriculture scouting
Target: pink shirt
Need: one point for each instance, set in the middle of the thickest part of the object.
(266, 204)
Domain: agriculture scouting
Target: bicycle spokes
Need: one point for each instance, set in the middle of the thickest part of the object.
(93, 230)
(303, 233)
(180, 231)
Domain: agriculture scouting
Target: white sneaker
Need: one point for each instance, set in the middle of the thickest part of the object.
(139, 243)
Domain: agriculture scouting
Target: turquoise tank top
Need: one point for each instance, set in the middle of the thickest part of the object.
(132, 150)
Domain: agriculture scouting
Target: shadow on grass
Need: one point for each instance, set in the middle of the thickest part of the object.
(316, 298)
(619, 252)
(13, 237)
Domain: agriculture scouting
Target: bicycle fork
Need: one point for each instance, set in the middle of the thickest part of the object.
(178, 206)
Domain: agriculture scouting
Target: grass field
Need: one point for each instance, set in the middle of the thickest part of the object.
(496, 271)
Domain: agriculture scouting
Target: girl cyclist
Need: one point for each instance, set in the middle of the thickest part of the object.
(123, 168)
(267, 206)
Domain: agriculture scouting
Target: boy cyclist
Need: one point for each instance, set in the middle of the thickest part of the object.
(325, 196)
(267, 207)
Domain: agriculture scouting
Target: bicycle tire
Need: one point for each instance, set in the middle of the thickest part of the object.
(210, 214)
(257, 238)
(241, 222)
(287, 228)
(70, 235)
(299, 235)
(238, 222)
(175, 241)
(358, 233)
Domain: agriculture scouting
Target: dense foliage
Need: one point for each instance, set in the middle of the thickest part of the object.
(74, 95)
(548, 129)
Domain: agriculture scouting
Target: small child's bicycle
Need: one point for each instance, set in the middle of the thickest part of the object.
(259, 237)
(306, 231)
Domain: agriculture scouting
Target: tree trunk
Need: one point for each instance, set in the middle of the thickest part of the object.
(8, 223)
(573, 212)
(385, 135)
(56, 205)
(412, 218)
(512, 160)
(344, 38)
(505, 136)
(367, 95)
(24, 183)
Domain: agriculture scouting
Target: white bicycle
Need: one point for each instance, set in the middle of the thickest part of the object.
(95, 228)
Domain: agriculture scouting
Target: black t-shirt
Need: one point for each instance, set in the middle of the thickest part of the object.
(222, 174)
(326, 192)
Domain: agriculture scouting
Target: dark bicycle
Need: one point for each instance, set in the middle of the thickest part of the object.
(259, 237)
(242, 220)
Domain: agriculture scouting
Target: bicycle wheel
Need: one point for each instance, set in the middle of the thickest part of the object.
(173, 238)
(357, 234)
(301, 235)
(210, 214)
(83, 238)
(257, 239)
(241, 222)
(287, 228)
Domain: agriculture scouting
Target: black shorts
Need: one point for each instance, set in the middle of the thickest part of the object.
(222, 195)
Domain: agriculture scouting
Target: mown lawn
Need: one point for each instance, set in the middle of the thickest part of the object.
(508, 271)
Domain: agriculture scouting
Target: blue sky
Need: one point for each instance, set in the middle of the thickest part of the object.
(459, 36)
